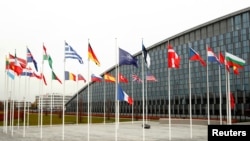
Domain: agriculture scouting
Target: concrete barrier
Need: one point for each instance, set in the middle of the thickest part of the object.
(187, 121)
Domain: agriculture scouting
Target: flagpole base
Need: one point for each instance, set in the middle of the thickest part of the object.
(146, 126)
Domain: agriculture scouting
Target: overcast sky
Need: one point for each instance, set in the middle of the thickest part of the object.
(106, 24)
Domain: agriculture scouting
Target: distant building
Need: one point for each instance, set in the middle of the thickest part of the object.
(54, 101)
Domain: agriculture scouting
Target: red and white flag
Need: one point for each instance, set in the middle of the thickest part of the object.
(173, 58)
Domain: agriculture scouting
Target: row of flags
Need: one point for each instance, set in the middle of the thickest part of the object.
(19, 65)
(229, 60)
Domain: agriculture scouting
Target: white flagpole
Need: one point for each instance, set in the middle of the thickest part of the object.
(226, 94)
(169, 106)
(91, 91)
(63, 111)
(5, 100)
(77, 101)
(88, 96)
(143, 102)
(18, 104)
(132, 117)
(13, 105)
(41, 103)
(116, 91)
(51, 99)
(104, 104)
(220, 92)
(208, 109)
(118, 101)
(24, 105)
(28, 110)
(190, 101)
(229, 100)
(146, 102)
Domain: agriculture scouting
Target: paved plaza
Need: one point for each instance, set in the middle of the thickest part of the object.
(126, 131)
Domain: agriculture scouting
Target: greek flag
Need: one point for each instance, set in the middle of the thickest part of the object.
(71, 53)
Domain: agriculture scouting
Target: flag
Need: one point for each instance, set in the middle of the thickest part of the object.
(7, 63)
(122, 96)
(69, 76)
(96, 78)
(233, 60)
(44, 80)
(126, 58)
(146, 56)
(150, 77)
(173, 58)
(211, 57)
(13, 59)
(194, 56)
(71, 53)
(223, 61)
(122, 78)
(15, 65)
(41, 76)
(136, 78)
(80, 77)
(30, 59)
(54, 77)
(232, 102)
(91, 55)
(36, 75)
(235, 70)
(50, 62)
(11, 74)
(109, 78)
(45, 55)
(26, 72)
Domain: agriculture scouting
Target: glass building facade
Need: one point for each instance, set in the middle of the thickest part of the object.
(230, 33)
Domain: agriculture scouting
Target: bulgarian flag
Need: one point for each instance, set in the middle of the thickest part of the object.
(235, 62)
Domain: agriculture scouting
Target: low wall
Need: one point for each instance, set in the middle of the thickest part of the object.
(187, 121)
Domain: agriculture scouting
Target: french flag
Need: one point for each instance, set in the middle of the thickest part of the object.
(122, 96)
(211, 57)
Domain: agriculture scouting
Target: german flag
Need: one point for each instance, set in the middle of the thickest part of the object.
(91, 55)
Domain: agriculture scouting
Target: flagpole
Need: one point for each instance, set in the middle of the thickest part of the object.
(220, 92)
(63, 97)
(6, 101)
(24, 103)
(208, 109)
(132, 117)
(77, 101)
(51, 99)
(18, 104)
(229, 100)
(41, 102)
(88, 96)
(146, 102)
(116, 91)
(190, 107)
(143, 102)
(28, 111)
(13, 104)
(104, 104)
(169, 105)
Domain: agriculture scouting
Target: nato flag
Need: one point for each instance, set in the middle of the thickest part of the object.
(126, 58)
